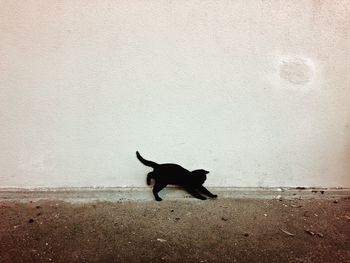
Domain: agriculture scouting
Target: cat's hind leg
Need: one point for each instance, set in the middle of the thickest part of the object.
(156, 188)
(150, 176)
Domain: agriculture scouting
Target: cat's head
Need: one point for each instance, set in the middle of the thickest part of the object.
(200, 174)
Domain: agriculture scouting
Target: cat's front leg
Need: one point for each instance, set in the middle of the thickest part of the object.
(206, 192)
(194, 193)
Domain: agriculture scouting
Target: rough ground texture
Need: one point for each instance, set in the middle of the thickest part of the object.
(223, 230)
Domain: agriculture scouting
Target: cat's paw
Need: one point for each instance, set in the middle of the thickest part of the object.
(159, 199)
(214, 196)
(203, 198)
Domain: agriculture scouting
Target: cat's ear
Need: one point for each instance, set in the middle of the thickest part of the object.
(206, 172)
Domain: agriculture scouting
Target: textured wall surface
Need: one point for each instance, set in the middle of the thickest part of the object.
(257, 92)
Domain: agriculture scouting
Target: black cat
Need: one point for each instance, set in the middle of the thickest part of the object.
(170, 173)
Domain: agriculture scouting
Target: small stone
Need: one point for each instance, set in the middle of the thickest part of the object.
(246, 235)
(31, 220)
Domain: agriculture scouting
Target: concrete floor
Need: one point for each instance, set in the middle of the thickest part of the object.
(185, 230)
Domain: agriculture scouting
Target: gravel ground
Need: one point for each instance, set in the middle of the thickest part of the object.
(222, 230)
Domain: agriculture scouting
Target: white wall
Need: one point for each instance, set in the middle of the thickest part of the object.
(258, 92)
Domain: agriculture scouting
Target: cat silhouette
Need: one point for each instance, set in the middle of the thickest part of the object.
(174, 174)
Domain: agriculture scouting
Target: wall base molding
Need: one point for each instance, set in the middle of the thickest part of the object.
(117, 194)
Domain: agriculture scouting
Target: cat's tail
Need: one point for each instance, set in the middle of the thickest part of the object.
(146, 162)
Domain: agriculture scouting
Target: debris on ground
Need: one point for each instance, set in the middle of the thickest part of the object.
(287, 232)
(224, 219)
(309, 232)
(89, 235)
(335, 201)
(312, 233)
(278, 197)
(31, 220)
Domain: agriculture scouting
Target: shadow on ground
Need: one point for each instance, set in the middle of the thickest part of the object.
(223, 230)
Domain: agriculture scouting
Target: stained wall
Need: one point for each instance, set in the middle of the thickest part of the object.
(257, 92)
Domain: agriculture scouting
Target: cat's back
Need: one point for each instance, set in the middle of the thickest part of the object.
(172, 173)
(172, 167)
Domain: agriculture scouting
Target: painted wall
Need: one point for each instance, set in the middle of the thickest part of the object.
(257, 92)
